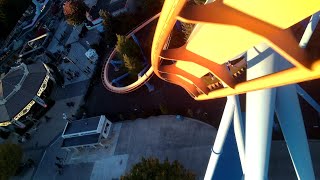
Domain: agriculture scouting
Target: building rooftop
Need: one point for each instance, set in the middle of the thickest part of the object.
(83, 125)
(18, 87)
(116, 6)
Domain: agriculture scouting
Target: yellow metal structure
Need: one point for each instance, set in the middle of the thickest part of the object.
(227, 29)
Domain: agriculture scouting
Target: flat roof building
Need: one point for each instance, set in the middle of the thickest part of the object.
(85, 132)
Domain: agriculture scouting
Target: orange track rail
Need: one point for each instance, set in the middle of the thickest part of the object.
(141, 81)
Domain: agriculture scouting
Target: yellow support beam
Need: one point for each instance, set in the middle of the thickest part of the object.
(229, 28)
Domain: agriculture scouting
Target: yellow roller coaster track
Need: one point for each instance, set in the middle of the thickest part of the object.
(248, 23)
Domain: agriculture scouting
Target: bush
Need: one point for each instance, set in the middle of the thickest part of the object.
(10, 158)
(164, 109)
(151, 168)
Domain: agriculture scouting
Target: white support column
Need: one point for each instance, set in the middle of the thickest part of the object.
(238, 129)
(308, 98)
(310, 29)
(292, 126)
(259, 115)
(290, 118)
(220, 138)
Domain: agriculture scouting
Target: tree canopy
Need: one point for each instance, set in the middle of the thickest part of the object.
(10, 158)
(107, 18)
(127, 46)
(75, 11)
(130, 53)
(153, 169)
(132, 64)
(108, 35)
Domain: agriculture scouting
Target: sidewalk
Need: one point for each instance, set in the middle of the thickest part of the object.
(188, 141)
(47, 132)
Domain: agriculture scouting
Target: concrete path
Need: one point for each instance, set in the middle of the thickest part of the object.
(188, 141)
(109, 168)
(71, 90)
(47, 133)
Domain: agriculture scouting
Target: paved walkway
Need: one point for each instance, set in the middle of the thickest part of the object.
(60, 36)
(188, 141)
(46, 133)
(75, 67)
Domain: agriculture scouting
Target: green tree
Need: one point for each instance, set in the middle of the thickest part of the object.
(152, 168)
(132, 64)
(10, 158)
(130, 54)
(107, 18)
(75, 11)
(127, 46)
(109, 35)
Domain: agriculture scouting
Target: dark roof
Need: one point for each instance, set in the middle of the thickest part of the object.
(3, 114)
(82, 125)
(81, 140)
(13, 74)
(37, 68)
(36, 79)
(17, 102)
(28, 89)
(9, 82)
(117, 5)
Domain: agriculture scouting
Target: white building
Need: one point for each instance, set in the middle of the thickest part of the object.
(87, 132)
